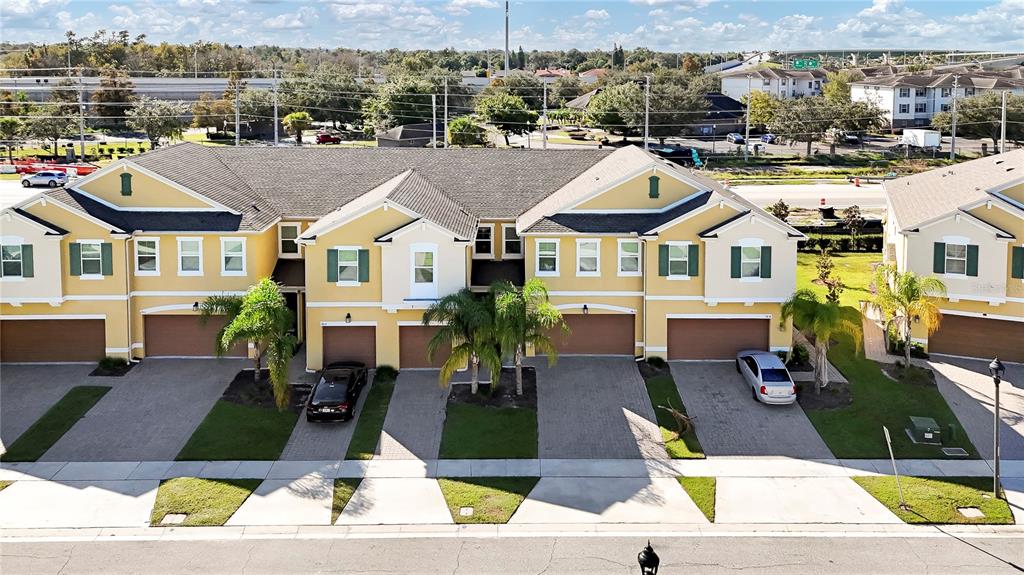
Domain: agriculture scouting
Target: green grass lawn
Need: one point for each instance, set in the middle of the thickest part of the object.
(204, 501)
(232, 431)
(702, 491)
(493, 499)
(371, 420)
(853, 268)
(5, 484)
(343, 491)
(54, 423)
(479, 432)
(856, 431)
(662, 389)
(936, 499)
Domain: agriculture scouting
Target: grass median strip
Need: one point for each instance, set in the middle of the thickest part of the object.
(662, 391)
(203, 502)
(702, 491)
(371, 419)
(57, 420)
(485, 499)
(482, 432)
(233, 431)
(939, 499)
(343, 491)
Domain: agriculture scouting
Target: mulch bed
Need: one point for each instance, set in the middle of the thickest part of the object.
(918, 375)
(504, 395)
(834, 396)
(119, 371)
(244, 391)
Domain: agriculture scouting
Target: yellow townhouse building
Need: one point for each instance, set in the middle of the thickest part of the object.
(643, 257)
(965, 225)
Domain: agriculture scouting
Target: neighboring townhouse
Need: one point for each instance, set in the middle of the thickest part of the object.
(643, 257)
(909, 100)
(965, 225)
(782, 84)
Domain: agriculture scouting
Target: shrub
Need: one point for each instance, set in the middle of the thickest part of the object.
(894, 344)
(385, 373)
(113, 363)
(799, 355)
(657, 362)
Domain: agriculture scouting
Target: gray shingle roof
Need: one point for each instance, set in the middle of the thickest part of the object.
(626, 223)
(428, 200)
(131, 221)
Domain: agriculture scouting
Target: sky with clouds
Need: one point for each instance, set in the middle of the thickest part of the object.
(670, 25)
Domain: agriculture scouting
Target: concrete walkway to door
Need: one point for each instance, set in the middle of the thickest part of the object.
(415, 419)
(595, 407)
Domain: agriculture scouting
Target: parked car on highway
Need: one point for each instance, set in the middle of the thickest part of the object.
(51, 179)
(767, 376)
(734, 138)
(769, 138)
(334, 396)
(327, 138)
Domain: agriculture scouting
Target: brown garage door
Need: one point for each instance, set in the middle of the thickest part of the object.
(597, 334)
(979, 337)
(185, 336)
(412, 347)
(701, 338)
(350, 343)
(52, 340)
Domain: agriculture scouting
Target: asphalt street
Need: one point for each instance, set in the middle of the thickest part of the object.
(12, 192)
(791, 555)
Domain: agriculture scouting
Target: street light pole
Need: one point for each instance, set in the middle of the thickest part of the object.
(997, 369)
(952, 139)
(746, 135)
(647, 109)
(1002, 126)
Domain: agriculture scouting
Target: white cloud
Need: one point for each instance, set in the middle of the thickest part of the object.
(22, 8)
(596, 14)
(303, 18)
(462, 7)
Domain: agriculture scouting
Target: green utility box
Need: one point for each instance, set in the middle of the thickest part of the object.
(924, 430)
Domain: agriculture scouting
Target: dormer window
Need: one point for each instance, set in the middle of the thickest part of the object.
(126, 184)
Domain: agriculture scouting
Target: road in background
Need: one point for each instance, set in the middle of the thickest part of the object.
(809, 196)
(833, 553)
(12, 192)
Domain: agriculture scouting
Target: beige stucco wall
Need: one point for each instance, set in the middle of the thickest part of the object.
(634, 194)
(717, 281)
(396, 266)
(567, 280)
(147, 192)
(46, 261)
(1015, 192)
(991, 281)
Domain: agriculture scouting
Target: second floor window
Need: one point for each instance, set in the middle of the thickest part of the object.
(147, 253)
(348, 265)
(11, 265)
(483, 247)
(423, 267)
(904, 92)
(750, 262)
(588, 257)
(512, 243)
(678, 260)
(629, 258)
(946, 92)
(919, 92)
(547, 257)
(956, 259)
(232, 256)
(288, 234)
(190, 256)
(92, 259)
(920, 108)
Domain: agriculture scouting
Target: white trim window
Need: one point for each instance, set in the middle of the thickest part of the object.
(232, 257)
(750, 262)
(484, 241)
(287, 233)
(588, 258)
(512, 244)
(91, 259)
(348, 266)
(11, 262)
(629, 258)
(547, 257)
(190, 256)
(956, 259)
(679, 260)
(423, 272)
(147, 256)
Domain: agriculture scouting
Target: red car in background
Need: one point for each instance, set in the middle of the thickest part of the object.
(328, 138)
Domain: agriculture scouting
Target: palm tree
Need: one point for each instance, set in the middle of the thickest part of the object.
(296, 122)
(822, 319)
(906, 297)
(260, 317)
(524, 316)
(466, 323)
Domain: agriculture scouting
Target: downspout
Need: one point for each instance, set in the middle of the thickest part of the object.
(643, 268)
(128, 300)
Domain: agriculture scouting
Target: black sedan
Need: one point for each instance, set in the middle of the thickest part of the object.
(334, 396)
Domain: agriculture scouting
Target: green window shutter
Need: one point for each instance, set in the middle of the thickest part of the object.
(734, 268)
(972, 260)
(1017, 263)
(126, 184)
(655, 181)
(107, 259)
(766, 261)
(693, 260)
(27, 269)
(663, 260)
(364, 265)
(939, 258)
(332, 266)
(75, 258)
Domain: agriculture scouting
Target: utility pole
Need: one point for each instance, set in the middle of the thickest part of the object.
(195, 60)
(275, 108)
(952, 139)
(1002, 126)
(238, 119)
(445, 111)
(647, 109)
(81, 117)
(433, 118)
(506, 38)
(544, 125)
(746, 134)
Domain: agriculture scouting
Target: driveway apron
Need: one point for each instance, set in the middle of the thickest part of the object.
(729, 422)
(323, 441)
(415, 419)
(27, 391)
(968, 389)
(150, 413)
(595, 408)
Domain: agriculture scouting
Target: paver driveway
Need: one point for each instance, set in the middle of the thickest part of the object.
(322, 441)
(968, 389)
(150, 413)
(27, 391)
(729, 421)
(415, 419)
(595, 408)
